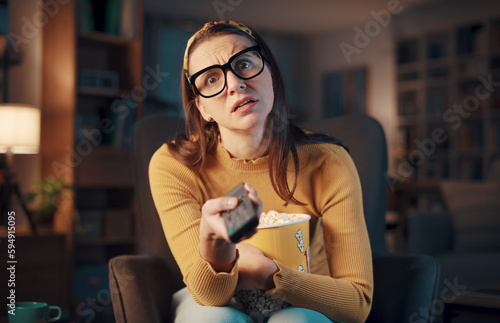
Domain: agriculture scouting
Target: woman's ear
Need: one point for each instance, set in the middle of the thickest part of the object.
(203, 111)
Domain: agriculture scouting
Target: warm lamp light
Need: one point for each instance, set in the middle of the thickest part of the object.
(19, 129)
(19, 134)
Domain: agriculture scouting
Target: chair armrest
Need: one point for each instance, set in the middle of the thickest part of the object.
(404, 286)
(430, 234)
(140, 289)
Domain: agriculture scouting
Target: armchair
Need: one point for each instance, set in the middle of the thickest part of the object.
(464, 238)
(404, 285)
(142, 285)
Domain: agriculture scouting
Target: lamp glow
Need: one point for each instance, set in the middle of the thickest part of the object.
(19, 129)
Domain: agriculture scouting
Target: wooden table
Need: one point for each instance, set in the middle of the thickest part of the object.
(482, 301)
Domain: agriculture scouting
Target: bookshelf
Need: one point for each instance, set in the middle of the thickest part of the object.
(108, 71)
(448, 110)
(92, 93)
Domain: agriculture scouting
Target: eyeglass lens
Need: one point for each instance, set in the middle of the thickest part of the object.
(246, 66)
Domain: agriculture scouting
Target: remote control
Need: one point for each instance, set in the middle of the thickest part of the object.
(243, 218)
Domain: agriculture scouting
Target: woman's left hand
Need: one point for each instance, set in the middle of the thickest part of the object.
(254, 269)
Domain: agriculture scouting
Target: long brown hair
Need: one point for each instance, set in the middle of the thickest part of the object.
(200, 139)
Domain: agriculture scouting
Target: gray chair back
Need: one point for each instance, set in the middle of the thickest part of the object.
(366, 141)
(149, 133)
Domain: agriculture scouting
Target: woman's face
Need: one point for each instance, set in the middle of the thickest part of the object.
(243, 106)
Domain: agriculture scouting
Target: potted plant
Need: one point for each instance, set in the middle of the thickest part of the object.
(45, 198)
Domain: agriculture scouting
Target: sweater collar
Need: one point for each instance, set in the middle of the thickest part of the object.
(240, 164)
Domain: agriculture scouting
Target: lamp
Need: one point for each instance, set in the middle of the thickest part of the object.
(19, 134)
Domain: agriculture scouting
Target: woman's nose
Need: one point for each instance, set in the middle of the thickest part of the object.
(234, 83)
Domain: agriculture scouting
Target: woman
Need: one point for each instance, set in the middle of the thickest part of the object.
(234, 99)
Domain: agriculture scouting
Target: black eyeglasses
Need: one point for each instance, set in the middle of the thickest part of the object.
(211, 81)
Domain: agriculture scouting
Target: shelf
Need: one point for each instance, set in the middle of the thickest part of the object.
(105, 39)
(439, 154)
(434, 119)
(495, 114)
(439, 62)
(104, 93)
(418, 187)
(474, 153)
(409, 85)
(409, 67)
(468, 57)
(474, 117)
(407, 120)
(437, 83)
(495, 72)
(494, 152)
(104, 241)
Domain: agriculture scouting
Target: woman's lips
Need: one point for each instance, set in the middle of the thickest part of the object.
(244, 105)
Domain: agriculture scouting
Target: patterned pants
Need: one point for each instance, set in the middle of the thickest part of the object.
(186, 310)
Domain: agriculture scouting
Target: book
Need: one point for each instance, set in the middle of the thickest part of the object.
(101, 16)
(407, 51)
(437, 45)
(467, 39)
(495, 136)
(112, 17)
(4, 18)
(86, 16)
(92, 221)
(127, 21)
(495, 35)
(436, 100)
(407, 103)
(98, 79)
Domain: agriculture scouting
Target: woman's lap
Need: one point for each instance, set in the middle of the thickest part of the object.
(186, 310)
(297, 315)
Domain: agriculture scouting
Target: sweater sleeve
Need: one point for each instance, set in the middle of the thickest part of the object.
(345, 295)
(178, 196)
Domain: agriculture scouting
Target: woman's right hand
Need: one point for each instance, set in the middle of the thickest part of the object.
(215, 246)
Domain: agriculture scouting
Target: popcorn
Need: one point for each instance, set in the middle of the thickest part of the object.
(256, 304)
(275, 218)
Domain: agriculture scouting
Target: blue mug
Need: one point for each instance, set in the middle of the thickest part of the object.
(33, 312)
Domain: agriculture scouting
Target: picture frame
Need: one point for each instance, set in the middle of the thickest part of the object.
(344, 92)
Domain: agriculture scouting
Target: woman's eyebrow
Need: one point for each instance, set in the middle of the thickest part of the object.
(237, 47)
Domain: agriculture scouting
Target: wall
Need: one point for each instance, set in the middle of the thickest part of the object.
(165, 41)
(326, 55)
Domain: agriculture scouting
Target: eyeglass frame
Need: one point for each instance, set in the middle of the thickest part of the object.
(226, 67)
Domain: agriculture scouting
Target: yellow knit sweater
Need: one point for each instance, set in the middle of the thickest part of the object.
(340, 284)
